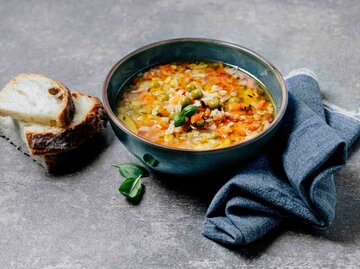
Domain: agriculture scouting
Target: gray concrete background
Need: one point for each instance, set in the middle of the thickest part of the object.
(79, 220)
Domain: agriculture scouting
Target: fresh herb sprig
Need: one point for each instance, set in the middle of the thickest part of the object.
(187, 111)
(132, 187)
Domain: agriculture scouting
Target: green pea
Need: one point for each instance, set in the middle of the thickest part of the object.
(163, 97)
(190, 87)
(155, 84)
(185, 101)
(213, 103)
(196, 94)
(214, 135)
(179, 119)
(200, 123)
(234, 100)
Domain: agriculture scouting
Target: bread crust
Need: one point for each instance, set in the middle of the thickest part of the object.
(51, 143)
(68, 107)
(54, 163)
(67, 111)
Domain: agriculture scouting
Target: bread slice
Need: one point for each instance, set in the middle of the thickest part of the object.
(66, 162)
(90, 118)
(36, 98)
(53, 146)
(12, 130)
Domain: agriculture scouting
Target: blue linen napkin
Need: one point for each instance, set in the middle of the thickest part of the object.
(293, 179)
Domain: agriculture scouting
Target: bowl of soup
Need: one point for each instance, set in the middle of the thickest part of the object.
(194, 107)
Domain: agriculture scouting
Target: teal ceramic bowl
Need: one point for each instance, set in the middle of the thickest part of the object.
(190, 162)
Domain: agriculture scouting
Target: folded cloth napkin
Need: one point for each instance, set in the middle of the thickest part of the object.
(293, 178)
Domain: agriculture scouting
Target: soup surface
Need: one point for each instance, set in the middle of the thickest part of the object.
(195, 105)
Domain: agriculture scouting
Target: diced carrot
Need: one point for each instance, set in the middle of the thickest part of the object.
(146, 98)
(269, 118)
(164, 112)
(235, 106)
(262, 104)
(162, 124)
(195, 118)
(239, 129)
(222, 133)
(207, 112)
(166, 68)
(200, 109)
(254, 126)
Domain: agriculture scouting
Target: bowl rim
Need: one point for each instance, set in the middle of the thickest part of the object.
(115, 119)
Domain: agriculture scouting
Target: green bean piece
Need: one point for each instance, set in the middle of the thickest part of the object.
(196, 94)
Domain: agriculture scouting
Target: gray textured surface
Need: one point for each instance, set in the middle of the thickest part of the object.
(79, 220)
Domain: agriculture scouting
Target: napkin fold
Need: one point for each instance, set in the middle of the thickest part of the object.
(293, 179)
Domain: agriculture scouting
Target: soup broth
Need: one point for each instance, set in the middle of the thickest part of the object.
(195, 105)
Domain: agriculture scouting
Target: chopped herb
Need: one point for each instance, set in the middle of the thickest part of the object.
(179, 119)
(189, 110)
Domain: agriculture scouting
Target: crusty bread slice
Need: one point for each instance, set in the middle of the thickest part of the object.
(52, 146)
(36, 98)
(12, 130)
(66, 162)
(90, 118)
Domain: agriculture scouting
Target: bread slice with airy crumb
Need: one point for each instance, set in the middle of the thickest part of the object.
(38, 99)
(90, 118)
(52, 146)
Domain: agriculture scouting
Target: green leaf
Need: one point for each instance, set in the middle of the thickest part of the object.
(189, 110)
(138, 197)
(179, 119)
(130, 170)
(131, 187)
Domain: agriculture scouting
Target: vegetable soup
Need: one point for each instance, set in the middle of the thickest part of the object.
(195, 105)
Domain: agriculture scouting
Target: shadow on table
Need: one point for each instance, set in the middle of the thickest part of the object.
(195, 188)
(80, 158)
(345, 228)
(201, 191)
